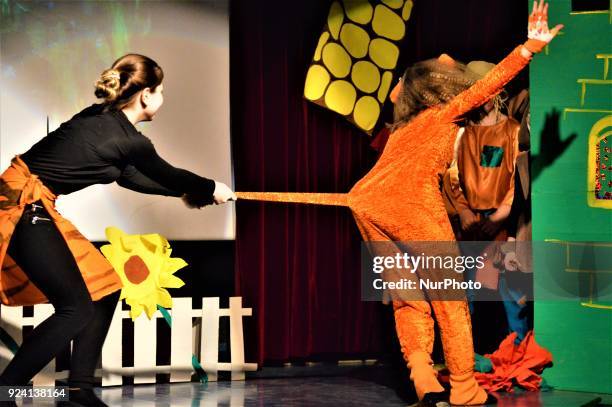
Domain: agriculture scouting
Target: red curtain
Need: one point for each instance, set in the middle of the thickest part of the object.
(298, 266)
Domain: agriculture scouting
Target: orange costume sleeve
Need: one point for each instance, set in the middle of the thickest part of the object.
(454, 197)
(487, 87)
(454, 200)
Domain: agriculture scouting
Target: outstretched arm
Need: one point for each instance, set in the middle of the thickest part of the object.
(133, 179)
(196, 191)
(146, 160)
(539, 36)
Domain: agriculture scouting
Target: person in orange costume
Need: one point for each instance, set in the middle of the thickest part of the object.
(400, 200)
(486, 154)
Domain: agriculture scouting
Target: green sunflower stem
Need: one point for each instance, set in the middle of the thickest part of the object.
(202, 376)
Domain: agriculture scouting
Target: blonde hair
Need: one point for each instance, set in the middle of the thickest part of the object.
(125, 78)
(107, 87)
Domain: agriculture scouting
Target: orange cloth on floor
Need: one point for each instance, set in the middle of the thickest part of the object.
(513, 364)
(19, 187)
(486, 187)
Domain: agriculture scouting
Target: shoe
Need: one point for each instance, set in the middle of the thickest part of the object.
(82, 397)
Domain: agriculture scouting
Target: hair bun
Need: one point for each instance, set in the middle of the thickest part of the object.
(107, 87)
(120, 85)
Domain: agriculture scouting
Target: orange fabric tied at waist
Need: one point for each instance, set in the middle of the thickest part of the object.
(18, 188)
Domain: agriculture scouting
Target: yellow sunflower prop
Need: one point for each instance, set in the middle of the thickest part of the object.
(146, 269)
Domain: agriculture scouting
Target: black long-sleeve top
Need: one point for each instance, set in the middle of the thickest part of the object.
(99, 147)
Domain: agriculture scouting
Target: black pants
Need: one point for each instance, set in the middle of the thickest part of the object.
(40, 250)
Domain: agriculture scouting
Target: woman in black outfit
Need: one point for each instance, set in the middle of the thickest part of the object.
(99, 145)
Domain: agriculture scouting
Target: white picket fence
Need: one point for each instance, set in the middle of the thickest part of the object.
(184, 341)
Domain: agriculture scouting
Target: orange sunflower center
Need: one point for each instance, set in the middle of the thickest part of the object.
(136, 270)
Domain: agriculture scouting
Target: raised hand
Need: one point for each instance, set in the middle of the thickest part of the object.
(538, 23)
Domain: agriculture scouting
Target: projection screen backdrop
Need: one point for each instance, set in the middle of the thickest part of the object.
(51, 53)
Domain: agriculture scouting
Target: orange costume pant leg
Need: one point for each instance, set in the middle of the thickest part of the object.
(414, 325)
(414, 321)
(415, 331)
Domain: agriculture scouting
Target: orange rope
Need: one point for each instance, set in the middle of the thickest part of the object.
(297, 197)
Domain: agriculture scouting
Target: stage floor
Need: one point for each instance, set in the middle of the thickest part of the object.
(307, 392)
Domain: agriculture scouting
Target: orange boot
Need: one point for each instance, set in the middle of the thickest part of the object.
(465, 391)
(415, 331)
(453, 317)
(423, 375)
